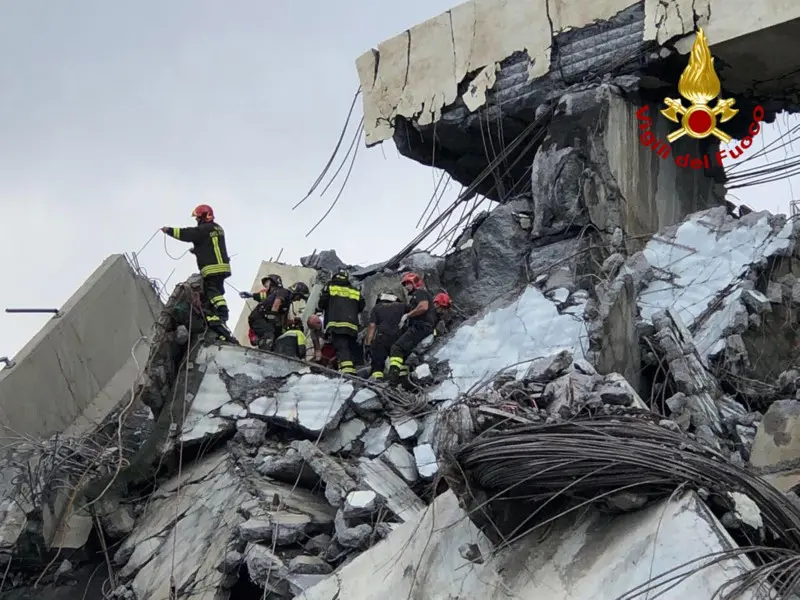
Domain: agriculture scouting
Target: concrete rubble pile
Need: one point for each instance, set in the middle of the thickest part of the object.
(612, 284)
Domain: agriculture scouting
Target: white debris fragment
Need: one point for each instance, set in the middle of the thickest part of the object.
(233, 410)
(366, 401)
(313, 402)
(708, 252)
(423, 371)
(376, 440)
(560, 295)
(341, 439)
(405, 427)
(530, 326)
(397, 457)
(746, 510)
(360, 501)
(426, 461)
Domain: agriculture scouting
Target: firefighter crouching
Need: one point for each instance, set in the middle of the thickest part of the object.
(341, 303)
(292, 342)
(208, 247)
(266, 318)
(416, 325)
(383, 331)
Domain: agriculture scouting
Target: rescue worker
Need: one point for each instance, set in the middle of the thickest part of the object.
(208, 247)
(266, 282)
(442, 304)
(268, 318)
(341, 303)
(415, 326)
(293, 341)
(383, 331)
(324, 353)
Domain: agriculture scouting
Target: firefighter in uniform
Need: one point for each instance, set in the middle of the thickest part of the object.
(208, 246)
(292, 342)
(341, 302)
(268, 318)
(416, 325)
(383, 331)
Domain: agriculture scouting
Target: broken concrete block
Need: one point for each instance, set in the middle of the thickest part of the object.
(233, 410)
(337, 482)
(777, 441)
(397, 496)
(406, 427)
(359, 504)
(559, 295)
(376, 440)
(318, 544)
(252, 431)
(427, 465)
(613, 264)
(351, 537)
(543, 370)
(756, 302)
(266, 570)
(341, 439)
(310, 402)
(788, 381)
(423, 374)
(774, 292)
(366, 402)
(398, 458)
(309, 565)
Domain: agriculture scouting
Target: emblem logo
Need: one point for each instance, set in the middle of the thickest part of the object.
(699, 85)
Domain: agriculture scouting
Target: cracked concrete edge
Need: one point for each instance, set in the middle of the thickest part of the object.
(390, 87)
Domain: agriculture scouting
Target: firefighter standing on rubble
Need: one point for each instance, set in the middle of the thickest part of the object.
(208, 247)
(416, 325)
(341, 303)
(383, 331)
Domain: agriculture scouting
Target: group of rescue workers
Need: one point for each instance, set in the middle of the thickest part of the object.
(395, 327)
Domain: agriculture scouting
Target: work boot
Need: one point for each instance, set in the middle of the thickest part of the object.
(393, 376)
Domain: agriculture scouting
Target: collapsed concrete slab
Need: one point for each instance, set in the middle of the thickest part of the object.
(615, 554)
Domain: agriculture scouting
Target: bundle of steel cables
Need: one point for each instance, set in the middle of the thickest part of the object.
(586, 460)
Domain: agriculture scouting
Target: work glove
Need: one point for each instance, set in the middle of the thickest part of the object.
(403, 321)
(245, 295)
(165, 229)
(368, 353)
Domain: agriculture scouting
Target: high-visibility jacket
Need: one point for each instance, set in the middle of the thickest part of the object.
(209, 248)
(291, 343)
(342, 303)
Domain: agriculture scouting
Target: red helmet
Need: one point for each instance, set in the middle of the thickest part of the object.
(414, 279)
(204, 213)
(442, 299)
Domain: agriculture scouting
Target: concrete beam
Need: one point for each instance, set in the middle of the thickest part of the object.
(81, 359)
(418, 73)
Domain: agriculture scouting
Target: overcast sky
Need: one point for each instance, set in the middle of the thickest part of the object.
(117, 118)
